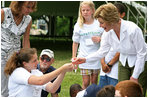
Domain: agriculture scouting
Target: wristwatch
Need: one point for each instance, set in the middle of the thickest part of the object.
(109, 65)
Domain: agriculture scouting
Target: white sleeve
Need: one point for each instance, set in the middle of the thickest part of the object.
(21, 76)
(76, 35)
(103, 50)
(141, 49)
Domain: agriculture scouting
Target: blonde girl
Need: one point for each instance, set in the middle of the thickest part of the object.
(86, 37)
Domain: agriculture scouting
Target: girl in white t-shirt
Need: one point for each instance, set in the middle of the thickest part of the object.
(87, 34)
(25, 80)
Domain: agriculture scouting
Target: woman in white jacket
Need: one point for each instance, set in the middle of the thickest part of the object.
(125, 37)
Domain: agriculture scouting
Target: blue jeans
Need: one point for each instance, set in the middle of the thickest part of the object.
(105, 80)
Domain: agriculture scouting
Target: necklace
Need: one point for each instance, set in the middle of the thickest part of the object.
(18, 19)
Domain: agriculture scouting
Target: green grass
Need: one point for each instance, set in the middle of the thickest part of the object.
(62, 57)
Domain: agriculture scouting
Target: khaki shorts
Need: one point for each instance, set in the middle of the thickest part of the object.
(89, 71)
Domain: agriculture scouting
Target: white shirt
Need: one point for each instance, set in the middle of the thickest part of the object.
(81, 93)
(18, 84)
(86, 45)
(131, 46)
(114, 70)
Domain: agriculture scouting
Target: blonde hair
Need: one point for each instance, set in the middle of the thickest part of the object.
(17, 59)
(16, 6)
(80, 18)
(108, 12)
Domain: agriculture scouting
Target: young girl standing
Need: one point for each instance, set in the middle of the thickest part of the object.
(87, 34)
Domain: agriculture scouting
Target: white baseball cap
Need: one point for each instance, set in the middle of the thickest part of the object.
(47, 52)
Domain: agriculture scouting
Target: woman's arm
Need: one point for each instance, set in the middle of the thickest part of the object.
(41, 80)
(100, 53)
(2, 15)
(26, 41)
(141, 49)
(52, 87)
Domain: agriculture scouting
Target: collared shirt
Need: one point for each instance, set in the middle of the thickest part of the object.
(132, 46)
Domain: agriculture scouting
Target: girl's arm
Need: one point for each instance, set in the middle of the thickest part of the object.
(114, 59)
(52, 87)
(41, 80)
(26, 41)
(74, 49)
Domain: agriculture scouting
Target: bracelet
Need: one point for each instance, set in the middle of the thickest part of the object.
(109, 65)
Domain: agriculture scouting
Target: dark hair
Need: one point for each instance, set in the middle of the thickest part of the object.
(74, 89)
(106, 91)
(17, 59)
(121, 8)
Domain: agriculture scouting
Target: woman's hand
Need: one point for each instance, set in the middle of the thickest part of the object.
(72, 60)
(133, 79)
(79, 61)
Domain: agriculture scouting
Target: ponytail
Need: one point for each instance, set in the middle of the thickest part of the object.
(17, 59)
(12, 64)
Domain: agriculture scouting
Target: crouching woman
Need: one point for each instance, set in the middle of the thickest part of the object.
(25, 80)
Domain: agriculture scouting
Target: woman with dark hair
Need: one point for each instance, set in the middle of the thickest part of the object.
(15, 22)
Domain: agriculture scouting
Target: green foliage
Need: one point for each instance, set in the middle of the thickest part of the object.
(62, 26)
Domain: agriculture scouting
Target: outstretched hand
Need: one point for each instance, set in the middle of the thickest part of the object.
(78, 61)
(68, 67)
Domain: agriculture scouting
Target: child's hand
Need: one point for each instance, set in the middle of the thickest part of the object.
(96, 39)
(105, 68)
